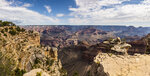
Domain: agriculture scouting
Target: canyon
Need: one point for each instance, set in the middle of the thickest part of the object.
(74, 51)
(96, 50)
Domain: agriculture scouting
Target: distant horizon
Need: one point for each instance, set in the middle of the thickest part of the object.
(88, 25)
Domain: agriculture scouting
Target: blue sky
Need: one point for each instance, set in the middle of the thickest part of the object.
(76, 12)
(57, 6)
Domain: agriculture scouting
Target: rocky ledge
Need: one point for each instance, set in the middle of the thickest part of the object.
(116, 64)
(128, 65)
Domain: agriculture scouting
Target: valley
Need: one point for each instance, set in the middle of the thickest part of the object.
(79, 45)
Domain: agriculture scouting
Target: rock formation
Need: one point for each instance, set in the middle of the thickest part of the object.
(21, 52)
(118, 45)
(119, 65)
(128, 65)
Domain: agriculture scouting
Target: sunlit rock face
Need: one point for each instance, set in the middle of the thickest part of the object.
(36, 72)
(120, 65)
(21, 52)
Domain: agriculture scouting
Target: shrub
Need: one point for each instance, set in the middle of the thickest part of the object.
(6, 29)
(49, 62)
(39, 74)
(30, 31)
(48, 69)
(36, 66)
(13, 32)
(22, 30)
(5, 34)
(0, 21)
(2, 31)
(76, 74)
(7, 23)
(11, 28)
(37, 60)
(19, 72)
(18, 28)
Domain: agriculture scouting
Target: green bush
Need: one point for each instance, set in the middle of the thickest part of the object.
(11, 28)
(22, 30)
(6, 23)
(76, 74)
(0, 21)
(30, 31)
(18, 28)
(37, 60)
(39, 74)
(13, 32)
(49, 62)
(19, 72)
(6, 29)
(2, 31)
(5, 34)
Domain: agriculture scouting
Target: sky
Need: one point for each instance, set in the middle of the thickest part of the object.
(76, 12)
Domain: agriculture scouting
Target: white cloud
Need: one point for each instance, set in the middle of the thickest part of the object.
(48, 8)
(22, 15)
(60, 15)
(27, 5)
(146, 1)
(4, 3)
(91, 12)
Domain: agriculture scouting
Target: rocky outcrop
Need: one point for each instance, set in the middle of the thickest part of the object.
(129, 65)
(21, 52)
(118, 45)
